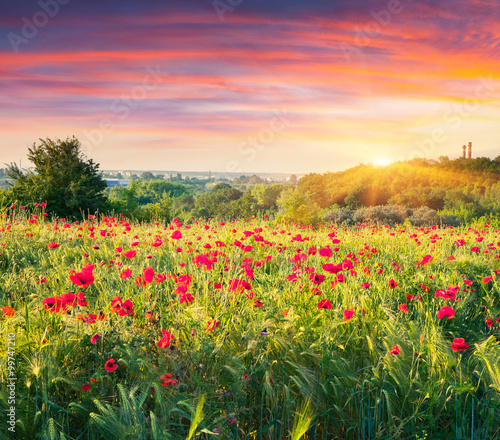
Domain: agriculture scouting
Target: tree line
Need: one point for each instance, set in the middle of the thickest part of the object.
(72, 186)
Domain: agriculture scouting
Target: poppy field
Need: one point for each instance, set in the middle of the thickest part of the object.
(248, 329)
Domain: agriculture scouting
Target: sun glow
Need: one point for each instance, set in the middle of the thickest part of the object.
(382, 162)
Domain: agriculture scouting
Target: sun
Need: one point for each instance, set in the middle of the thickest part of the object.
(382, 162)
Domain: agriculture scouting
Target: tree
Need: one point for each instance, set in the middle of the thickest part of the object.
(147, 175)
(62, 177)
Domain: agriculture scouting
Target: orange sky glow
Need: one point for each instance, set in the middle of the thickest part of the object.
(270, 87)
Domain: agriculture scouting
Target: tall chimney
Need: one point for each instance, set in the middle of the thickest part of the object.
(469, 151)
(463, 151)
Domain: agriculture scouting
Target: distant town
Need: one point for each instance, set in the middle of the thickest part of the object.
(123, 177)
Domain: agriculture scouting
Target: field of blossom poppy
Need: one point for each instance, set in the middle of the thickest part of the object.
(249, 329)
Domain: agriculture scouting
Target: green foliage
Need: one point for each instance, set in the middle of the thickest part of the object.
(62, 178)
(422, 216)
(450, 185)
(266, 196)
(224, 201)
(147, 175)
(297, 206)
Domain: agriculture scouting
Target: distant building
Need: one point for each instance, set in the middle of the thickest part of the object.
(115, 182)
(469, 151)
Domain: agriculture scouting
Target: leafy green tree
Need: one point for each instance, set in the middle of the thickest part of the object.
(266, 196)
(298, 207)
(220, 202)
(147, 175)
(62, 177)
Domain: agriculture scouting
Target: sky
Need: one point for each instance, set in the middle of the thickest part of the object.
(250, 85)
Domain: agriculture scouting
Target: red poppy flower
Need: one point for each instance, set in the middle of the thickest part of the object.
(447, 312)
(448, 294)
(186, 297)
(116, 304)
(459, 344)
(237, 285)
(365, 285)
(69, 299)
(84, 278)
(168, 381)
(159, 278)
(53, 245)
(213, 325)
(395, 350)
(130, 253)
(489, 322)
(126, 274)
(8, 311)
(317, 278)
(176, 235)
(326, 252)
(487, 279)
(110, 365)
(86, 387)
(426, 259)
(127, 308)
(348, 314)
(325, 304)
(332, 268)
(165, 341)
(403, 308)
(91, 319)
(54, 304)
(258, 303)
(96, 338)
(80, 299)
(393, 284)
(157, 242)
(149, 274)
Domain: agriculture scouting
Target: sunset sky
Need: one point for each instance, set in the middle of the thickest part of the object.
(260, 86)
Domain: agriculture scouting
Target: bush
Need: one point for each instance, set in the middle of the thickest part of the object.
(422, 216)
